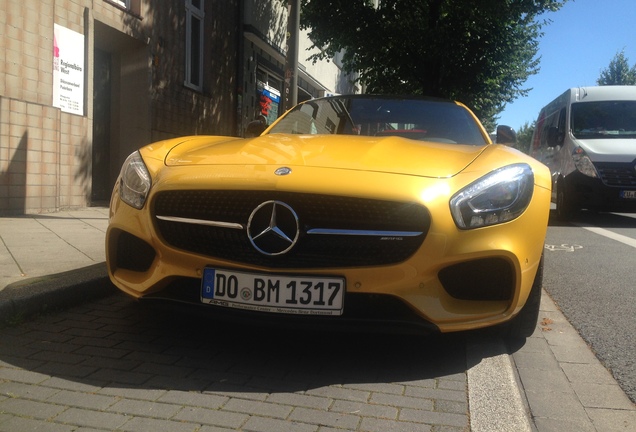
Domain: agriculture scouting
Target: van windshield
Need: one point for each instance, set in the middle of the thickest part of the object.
(605, 119)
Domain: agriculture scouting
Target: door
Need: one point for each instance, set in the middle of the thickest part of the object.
(101, 188)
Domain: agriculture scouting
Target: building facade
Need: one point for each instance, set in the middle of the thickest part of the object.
(83, 83)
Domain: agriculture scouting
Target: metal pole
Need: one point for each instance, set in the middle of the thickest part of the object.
(290, 88)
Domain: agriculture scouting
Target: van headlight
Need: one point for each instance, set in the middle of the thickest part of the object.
(497, 197)
(134, 181)
(583, 162)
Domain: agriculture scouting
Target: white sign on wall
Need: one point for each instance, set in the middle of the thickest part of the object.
(68, 70)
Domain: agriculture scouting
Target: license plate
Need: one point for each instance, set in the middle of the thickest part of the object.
(287, 294)
(628, 194)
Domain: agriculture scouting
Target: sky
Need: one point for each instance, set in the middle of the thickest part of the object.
(581, 40)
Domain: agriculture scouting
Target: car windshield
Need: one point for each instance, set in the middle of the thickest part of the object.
(606, 119)
(418, 119)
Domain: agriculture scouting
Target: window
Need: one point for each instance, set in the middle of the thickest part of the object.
(133, 7)
(194, 44)
(123, 3)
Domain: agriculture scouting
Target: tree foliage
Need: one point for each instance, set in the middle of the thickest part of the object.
(618, 72)
(479, 53)
(524, 136)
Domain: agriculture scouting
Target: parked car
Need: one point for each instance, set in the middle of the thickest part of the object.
(394, 214)
(587, 137)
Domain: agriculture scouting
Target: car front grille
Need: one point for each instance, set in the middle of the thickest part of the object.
(617, 174)
(180, 219)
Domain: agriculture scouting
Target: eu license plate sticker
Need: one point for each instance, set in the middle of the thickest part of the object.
(288, 294)
(628, 194)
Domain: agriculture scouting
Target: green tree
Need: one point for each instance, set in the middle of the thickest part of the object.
(524, 136)
(618, 72)
(479, 53)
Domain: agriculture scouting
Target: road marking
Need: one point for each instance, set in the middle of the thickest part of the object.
(610, 234)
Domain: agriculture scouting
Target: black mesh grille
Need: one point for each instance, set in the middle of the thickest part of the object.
(617, 174)
(314, 211)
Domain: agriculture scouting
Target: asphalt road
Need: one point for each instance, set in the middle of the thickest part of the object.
(589, 273)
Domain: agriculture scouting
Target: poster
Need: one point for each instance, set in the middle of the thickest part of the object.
(68, 70)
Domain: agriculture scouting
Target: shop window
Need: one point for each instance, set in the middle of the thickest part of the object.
(194, 44)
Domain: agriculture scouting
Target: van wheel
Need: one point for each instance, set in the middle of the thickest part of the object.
(524, 324)
(564, 208)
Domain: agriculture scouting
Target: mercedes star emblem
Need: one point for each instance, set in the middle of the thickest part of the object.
(282, 171)
(273, 228)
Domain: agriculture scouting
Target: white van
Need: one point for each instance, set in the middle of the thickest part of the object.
(587, 136)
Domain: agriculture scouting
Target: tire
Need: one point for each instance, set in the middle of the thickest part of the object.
(564, 209)
(524, 324)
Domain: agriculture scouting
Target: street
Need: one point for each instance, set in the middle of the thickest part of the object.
(589, 273)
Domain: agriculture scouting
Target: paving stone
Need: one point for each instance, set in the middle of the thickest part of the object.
(578, 424)
(257, 408)
(194, 399)
(383, 425)
(434, 418)
(294, 399)
(145, 408)
(609, 396)
(29, 408)
(340, 393)
(140, 424)
(613, 420)
(26, 391)
(89, 418)
(587, 373)
(402, 401)
(264, 424)
(364, 409)
(320, 417)
(15, 424)
(82, 400)
(21, 375)
(211, 417)
(427, 393)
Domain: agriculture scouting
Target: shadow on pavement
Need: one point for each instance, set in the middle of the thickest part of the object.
(115, 342)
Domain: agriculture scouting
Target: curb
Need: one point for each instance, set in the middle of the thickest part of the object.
(24, 299)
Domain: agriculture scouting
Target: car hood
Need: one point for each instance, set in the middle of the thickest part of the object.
(609, 149)
(386, 154)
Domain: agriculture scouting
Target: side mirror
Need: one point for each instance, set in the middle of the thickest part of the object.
(506, 135)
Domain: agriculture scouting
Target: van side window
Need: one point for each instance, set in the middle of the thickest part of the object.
(561, 128)
(550, 130)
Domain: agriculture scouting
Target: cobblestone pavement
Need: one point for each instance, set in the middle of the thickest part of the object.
(111, 365)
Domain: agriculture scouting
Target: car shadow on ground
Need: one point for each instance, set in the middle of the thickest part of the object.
(114, 342)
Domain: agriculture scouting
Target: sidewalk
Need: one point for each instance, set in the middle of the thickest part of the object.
(50, 260)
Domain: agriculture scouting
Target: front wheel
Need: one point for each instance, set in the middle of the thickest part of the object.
(524, 324)
(564, 208)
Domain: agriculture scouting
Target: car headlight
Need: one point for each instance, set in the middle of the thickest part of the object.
(583, 162)
(498, 197)
(134, 181)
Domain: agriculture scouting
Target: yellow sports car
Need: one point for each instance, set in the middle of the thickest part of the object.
(392, 213)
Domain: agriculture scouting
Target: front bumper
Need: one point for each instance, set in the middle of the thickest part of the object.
(457, 280)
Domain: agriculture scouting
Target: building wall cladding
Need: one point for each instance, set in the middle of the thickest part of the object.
(45, 153)
(178, 110)
(39, 145)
